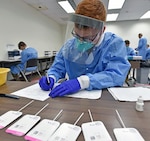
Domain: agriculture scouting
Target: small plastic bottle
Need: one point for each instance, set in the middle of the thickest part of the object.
(140, 104)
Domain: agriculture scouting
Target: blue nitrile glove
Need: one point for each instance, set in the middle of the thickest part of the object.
(44, 83)
(67, 87)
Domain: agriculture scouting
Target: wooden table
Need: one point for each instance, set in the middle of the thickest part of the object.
(135, 64)
(102, 109)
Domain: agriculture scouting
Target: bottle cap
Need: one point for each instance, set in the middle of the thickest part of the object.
(140, 99)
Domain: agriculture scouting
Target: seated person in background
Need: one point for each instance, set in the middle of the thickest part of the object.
(92, 59)
(130, 51)
(147, 57)
(26, 54)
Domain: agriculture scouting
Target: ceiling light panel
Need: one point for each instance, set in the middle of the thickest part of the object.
(112, 17)
(66, 6)
(115, 4)
(146, 15)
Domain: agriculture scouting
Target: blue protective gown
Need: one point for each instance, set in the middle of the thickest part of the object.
(130, 51)
(142, 46)
(26, 54)
(109, 67)
(147, 54)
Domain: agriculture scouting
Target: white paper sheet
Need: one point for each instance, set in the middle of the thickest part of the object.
(94, 94)
(130, 93)
(35, 92)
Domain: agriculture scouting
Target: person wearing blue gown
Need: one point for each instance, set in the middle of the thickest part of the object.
(92, 59)
(147, 53)
(142, 46)
(26, 54)
(130, 51)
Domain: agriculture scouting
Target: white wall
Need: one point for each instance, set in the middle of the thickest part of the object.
(20, 22)
(129, 30)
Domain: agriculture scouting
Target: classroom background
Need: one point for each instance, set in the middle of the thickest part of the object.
(20, 22)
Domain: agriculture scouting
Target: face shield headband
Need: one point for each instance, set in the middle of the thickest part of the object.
(86, 21)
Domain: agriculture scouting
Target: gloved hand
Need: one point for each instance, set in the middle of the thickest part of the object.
(44, 83)
(67, 87)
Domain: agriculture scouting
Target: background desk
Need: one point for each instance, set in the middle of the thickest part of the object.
(47, 60)
(135, 64)
(102, 110)
(43, 63)
(8, 63)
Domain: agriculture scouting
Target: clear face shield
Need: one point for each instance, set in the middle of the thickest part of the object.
(82, 34)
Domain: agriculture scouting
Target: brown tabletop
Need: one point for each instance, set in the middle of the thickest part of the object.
(135, 64)
(102, 109)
